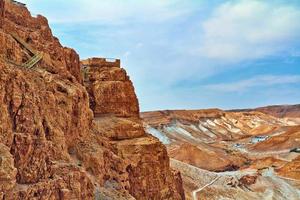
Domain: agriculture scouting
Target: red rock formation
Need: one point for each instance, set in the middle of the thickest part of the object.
(110, 88)
(36, 32)
(50, 145)
(115, 106)
(291, 169)
(247, 180)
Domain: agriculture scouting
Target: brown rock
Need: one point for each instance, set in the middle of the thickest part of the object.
(119, 128)
(50, 146)
(149, 171)
(7, 170)
(1, 13)
(247, 180)
(73, 63)
(37, 33)
(110, 88)
(206, 157)
(291, 169)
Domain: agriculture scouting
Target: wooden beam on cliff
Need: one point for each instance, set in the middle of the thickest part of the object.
(33, 61)
(23, 43)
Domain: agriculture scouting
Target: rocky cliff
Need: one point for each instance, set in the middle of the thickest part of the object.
(67, 133)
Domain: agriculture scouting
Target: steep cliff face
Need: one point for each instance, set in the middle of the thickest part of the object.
(35, 31)
(116, 111)
(51, 145)
(110, 88)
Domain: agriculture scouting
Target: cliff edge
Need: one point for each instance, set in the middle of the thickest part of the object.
(71, 129)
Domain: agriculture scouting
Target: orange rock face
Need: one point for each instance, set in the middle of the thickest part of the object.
(202, 156)
(36, 32)
(291, 169)
(116, 112)
(51, 146)
(110, 88)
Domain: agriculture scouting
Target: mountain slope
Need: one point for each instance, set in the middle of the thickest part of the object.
(248, 151)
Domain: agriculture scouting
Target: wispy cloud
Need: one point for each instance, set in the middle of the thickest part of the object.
(171, 48)
(112, 11)
(243, 30)
(257, 81)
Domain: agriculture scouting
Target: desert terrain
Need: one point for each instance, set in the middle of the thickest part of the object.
(240, 154)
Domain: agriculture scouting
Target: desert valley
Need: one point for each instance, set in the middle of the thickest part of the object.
(242, 154)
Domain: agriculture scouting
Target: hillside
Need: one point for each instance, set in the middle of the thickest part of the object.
(230, 154)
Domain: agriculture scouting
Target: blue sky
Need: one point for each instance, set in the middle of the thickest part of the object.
(189, 54)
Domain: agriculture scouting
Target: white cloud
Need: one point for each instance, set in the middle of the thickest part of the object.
(110, 11)
(257, 81)
(158, 42)
(242, 30)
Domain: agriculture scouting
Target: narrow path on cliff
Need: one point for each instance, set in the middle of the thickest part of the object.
(194, 193)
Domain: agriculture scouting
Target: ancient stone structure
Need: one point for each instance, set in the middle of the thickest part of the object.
(106, 77)
(54, 144)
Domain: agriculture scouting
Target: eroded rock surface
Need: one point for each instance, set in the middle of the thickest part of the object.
(51, 145)
(110, 88)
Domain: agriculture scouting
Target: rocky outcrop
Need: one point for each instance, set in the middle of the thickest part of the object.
(36, 32)
(8, 171)
(51, 146)
(110, 88)
(116, 110)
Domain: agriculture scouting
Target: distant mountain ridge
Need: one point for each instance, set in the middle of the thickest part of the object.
(276, 110)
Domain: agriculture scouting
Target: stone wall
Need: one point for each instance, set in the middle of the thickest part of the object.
(101, 62)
